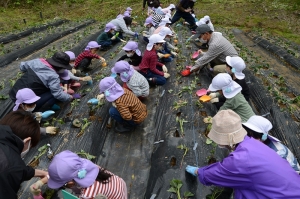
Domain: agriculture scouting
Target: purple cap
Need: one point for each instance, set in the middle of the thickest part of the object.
(125, 70)
(71, 55)
(92, 44)
(111, 89)
(148, 21)
(25, 95)
(132, 45)
(64, 75)
(109, 26)
(67, 166)
(128, 9)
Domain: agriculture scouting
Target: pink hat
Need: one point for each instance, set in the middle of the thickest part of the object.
(125, 70)
(67, 166)
(111, 89)
(71, 55)
(25, 95)
(92, 44)
(64, 75)
(109, 26)
(132, 45)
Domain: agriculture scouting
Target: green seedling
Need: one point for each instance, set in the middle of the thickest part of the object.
(86, 155)
(55, 120)
(170, 91)
(186, 149)
(3, 97)
(175, 188)
(181, 121)
(86, 123)
(12, 82)
(199, 104)
(215, 193)
(42, 150)
(179, 104)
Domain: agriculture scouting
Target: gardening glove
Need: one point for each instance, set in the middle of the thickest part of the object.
(164, 68)
(208, 120)
(122, 40)
(100, 196)
(191, 170)
(87, 78)
(213, 95)
(145, 31)
(174, 53)
(51, 130)
(114, 104)
(93, 101)
(145, 34)
(214, 100)
(176, 49)
(73, 71)
(100, 97)
(38, 116)
(160, 55)
(76, 96)
(166, 75)
(113, 37)
(35, 188)
(102, 59)
(46, 114)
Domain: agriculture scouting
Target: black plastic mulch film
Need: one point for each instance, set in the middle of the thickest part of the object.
(17, 36)
(148, 168)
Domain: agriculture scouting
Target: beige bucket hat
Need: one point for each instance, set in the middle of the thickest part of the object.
(227, 128)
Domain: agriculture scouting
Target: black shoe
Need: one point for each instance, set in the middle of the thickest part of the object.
(122, 129)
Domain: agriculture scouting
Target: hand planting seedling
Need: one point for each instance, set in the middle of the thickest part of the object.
(175, 188)
(36, 159)
(186, 149)
(86, 155)
(86, 123)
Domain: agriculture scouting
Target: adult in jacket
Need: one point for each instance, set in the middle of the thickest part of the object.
(41, 76)
(19, 132)
(253, 169)
(122, 25)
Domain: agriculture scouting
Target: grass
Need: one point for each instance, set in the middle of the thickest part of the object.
(279, 17)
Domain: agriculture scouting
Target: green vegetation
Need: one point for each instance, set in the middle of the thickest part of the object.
(279, 17)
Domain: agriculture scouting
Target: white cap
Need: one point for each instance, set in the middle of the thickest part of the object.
(238, 64)
(224, 82)
(153, 39)
(201, 21)
(165, 31)
(260, 124)
(164, 21)
(207, 18)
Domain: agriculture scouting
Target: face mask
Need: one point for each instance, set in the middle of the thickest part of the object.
(113, 32)
(72, 65)
(221, 146)
(26, 151)
(29, 109)
(129, 54)
(203, 41)
(61, 70)
(167, 39)
(161, 48)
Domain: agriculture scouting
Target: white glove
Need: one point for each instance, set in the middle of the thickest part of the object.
(176, 49)
(87, 78)
(122, 40)
(51, 130)
(160, 55)
(166, 75)
(113, 37)
(35, 188)
(102, 59)
(213, 95)
(38, 116)
(207, 120)
(164, 68)
(100, 97)
(214, 100)
(174, 53)
(114, 104)
(145, 31)
(73, 71)
(145, 34)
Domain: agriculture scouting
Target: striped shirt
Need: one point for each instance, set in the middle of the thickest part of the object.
(85, 54)
(138, 84)
(149, 62)
(131, 108)
(114, 189)
(219, 48)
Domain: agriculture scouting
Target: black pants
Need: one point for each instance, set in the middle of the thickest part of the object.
(186, 16)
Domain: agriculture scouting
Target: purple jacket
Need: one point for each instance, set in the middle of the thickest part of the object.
(254, 171)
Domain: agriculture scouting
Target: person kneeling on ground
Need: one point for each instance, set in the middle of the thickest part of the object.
(127, 109)
(41, 76)
(73, 72)
(253, 170)
(132, 79)
(235, 101)
(107, 38)
(165, 54)
(155, 72)
(219, 48)
(84, 59)
(19, 133)
(149, 24)
(258, 127)
(26, 101)
(133, 54)
(86, 179)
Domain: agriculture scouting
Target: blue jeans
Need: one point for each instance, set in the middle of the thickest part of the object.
(186, 16)
(156, 79)
(105, 43)
(114, 113)
(166, 51)
(46, 100)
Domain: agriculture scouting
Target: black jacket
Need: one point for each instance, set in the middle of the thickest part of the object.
(245, 88)
(184, 4)
(135, 60)
(13, 170)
